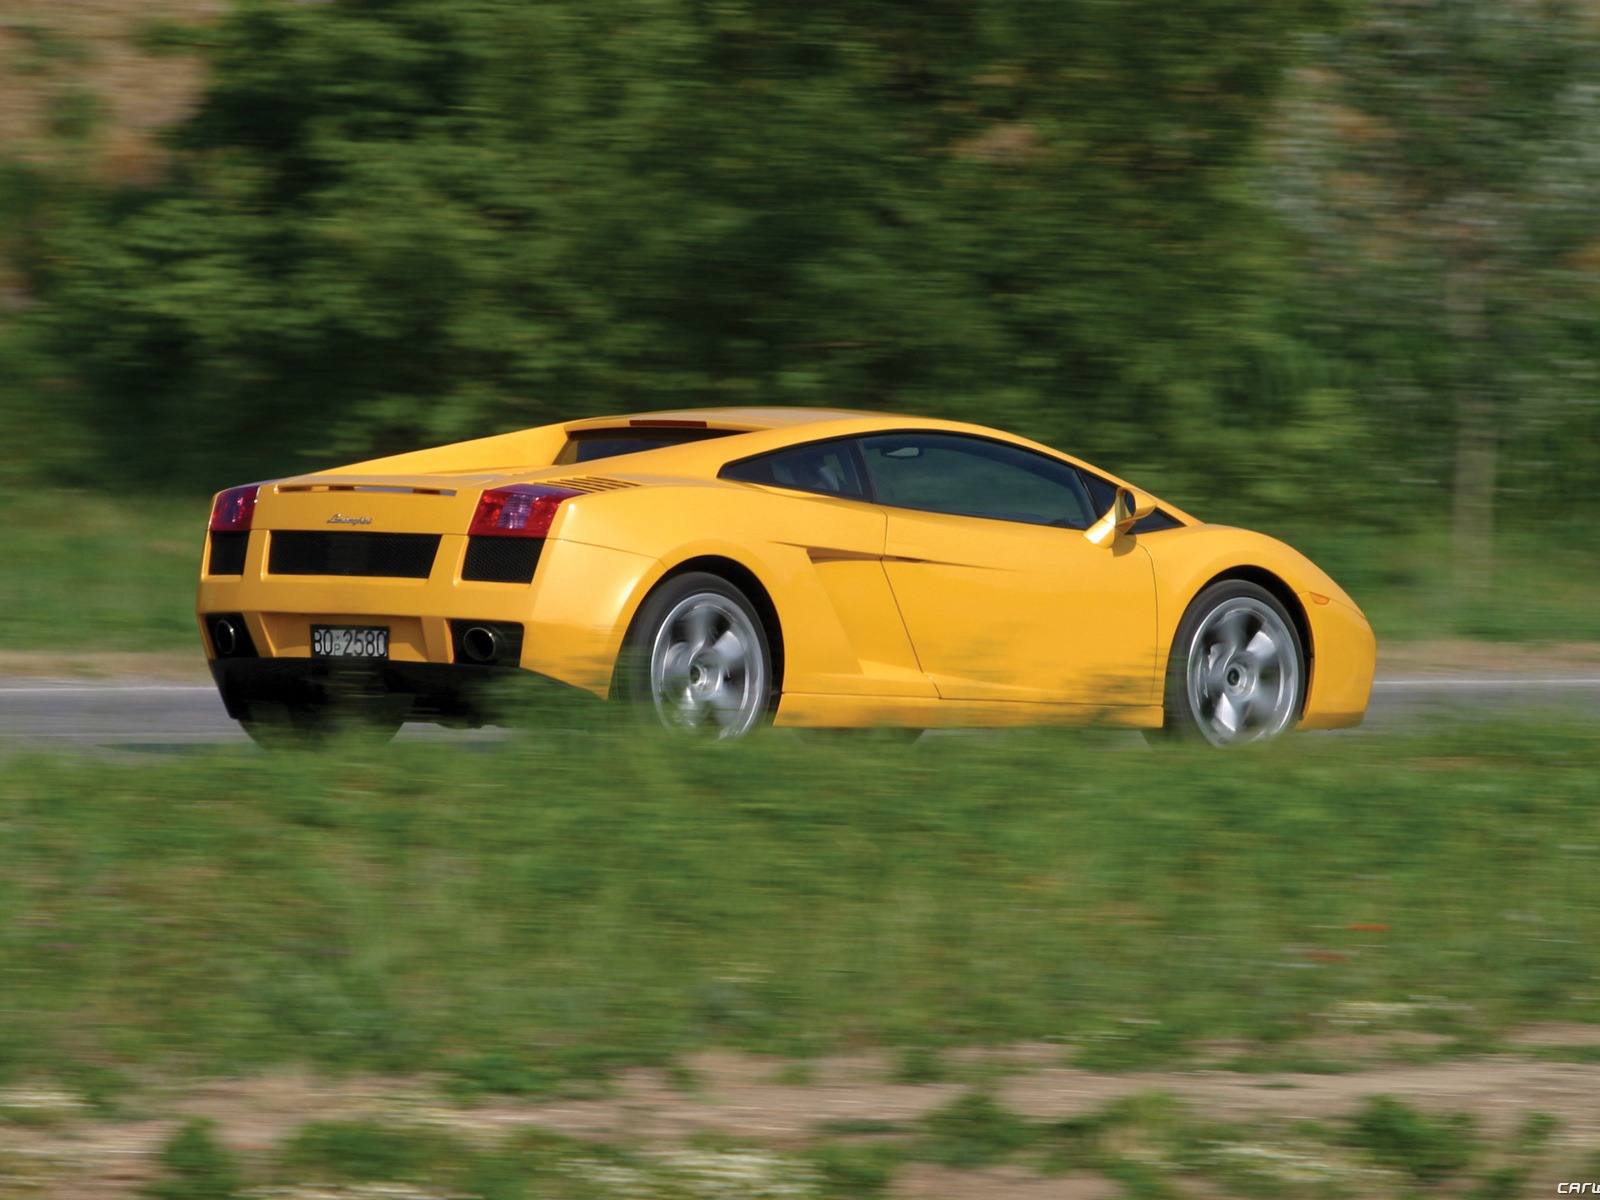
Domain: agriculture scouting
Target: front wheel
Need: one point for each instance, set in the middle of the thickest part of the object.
(1237, 670)
(698, 659)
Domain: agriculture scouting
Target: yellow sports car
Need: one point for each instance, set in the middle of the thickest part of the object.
(726, 568)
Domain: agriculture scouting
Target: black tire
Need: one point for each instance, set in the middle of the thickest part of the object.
(697, 659)
(1237, 671)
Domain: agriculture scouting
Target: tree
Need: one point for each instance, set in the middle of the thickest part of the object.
(403, 221)
(1443, 163)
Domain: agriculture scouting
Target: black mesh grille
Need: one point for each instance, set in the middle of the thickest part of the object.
(501, 559)
(392, 555)
(227, 552)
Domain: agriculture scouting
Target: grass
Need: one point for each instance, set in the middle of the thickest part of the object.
(528, 916)
(98, 573)
(1541, 587)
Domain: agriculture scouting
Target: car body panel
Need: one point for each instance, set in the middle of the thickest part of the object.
(883, 615)
(999, 610)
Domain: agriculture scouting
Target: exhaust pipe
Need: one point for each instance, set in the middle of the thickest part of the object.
(481, 644)
(224, 637)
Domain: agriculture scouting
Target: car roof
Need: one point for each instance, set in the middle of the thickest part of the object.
(743, 419)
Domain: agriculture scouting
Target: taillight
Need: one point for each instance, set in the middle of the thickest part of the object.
(234, 509)
(522, 510)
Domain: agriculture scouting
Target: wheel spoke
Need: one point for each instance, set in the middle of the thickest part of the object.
(1215, 670)
(1262, 648)
(728, 697)
(729, 650)
(1226, 716)
(1249, 708)
(697, 627)
(675, 666)
(1231, 630)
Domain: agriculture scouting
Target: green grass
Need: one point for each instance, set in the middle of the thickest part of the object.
(89, 573)
(1541, 587)
(526, 917)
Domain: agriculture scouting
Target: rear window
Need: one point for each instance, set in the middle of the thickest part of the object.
(586, 445)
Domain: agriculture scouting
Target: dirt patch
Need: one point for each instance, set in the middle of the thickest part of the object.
(62, 1153)
(923, 1181)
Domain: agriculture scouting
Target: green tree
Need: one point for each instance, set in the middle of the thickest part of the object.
(1443, 163)
(403, 221)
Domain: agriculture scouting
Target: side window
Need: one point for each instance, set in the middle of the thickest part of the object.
(825, 467)
(974, 477)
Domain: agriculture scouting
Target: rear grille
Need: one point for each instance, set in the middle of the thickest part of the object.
(501, 559)
(227, 552)
(389, 555)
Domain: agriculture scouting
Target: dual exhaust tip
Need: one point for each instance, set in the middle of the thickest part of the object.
(230, 637)
(224, 636)
(481, 644)
(487, 643)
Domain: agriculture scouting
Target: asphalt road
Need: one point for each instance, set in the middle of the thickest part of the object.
(156, 717)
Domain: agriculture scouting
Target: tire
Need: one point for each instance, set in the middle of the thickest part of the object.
(697, 659)
(1237, 672)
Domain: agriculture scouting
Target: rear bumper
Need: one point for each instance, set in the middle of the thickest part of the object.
(574, 614)
(450, 692)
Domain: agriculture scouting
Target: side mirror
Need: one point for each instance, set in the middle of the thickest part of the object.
(1126, 511)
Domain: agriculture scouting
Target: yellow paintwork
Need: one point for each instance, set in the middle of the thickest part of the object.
(886, 616)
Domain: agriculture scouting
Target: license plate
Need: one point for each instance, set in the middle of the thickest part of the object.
(349, 641)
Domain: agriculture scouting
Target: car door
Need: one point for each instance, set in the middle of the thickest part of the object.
(1001, 594)
(844, 634)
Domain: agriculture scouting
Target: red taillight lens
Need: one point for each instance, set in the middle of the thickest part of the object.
(522, 510)
(234, 509)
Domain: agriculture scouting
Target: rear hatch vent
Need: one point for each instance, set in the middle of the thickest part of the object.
(590, 483)
(286, 489)
(383, 555)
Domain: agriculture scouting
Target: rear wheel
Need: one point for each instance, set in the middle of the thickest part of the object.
(1237, 669)
(698, 660)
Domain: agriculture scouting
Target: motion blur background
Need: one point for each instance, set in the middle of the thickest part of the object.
(1326, 268)
(1276, 260)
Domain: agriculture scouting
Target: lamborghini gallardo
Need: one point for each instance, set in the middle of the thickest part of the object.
(725, 569)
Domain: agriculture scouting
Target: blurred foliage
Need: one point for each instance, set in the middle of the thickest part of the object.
(409, 221)
(197, 1167)
(531, 916)
(1207, 241)
(1443, 168)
